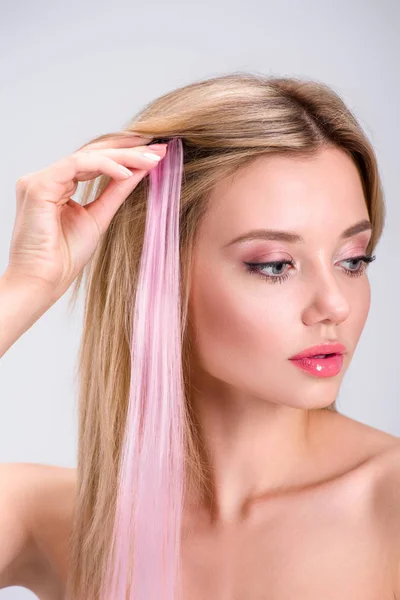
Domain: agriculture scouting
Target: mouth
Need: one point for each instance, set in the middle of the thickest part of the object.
(318, 356)
(331, 350)
(322, 355)
(320, 365)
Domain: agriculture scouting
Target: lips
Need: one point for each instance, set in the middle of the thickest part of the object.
(321, 350)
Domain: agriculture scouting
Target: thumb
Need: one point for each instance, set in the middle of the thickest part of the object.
(103, 209)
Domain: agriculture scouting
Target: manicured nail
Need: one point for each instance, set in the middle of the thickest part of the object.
(152, 156)
(125, 171)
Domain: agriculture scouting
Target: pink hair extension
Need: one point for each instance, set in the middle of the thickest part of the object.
(147, 526)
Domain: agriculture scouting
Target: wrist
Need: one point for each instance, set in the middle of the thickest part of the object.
(26, 288)
(22, 303)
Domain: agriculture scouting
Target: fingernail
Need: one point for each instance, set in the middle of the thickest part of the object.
(151, 156)
(125, 171)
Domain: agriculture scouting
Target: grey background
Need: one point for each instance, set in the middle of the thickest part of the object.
(74, 70)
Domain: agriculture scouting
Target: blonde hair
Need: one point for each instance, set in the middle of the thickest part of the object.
(222, 124)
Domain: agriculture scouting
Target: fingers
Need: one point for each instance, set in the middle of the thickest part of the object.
(103, 209)
(54, 180)
(133, 157)
(126, 166)
(140, 157)
(110, 162)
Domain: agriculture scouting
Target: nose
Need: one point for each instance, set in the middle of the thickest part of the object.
(328, 302)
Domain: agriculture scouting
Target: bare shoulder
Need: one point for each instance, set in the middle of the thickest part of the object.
(352, 441)
(44, 497)
(367, 461)
(387, 507)
(53, 503)
(378, 455)
(358, 451)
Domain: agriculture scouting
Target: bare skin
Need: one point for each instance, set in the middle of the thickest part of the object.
(334, 535)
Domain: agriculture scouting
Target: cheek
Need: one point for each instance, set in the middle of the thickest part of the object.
(235, 326)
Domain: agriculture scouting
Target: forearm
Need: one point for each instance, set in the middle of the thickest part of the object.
(21, 305)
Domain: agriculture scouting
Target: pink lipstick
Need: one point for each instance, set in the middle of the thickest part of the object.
(323, 360)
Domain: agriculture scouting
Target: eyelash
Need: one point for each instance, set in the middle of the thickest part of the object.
(255, 268)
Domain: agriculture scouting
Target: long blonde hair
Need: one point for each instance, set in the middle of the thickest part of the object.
(221, 125)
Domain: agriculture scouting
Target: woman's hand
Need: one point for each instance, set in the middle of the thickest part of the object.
(54, 236)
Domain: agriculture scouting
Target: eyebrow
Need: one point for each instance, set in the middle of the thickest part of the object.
(292, 237)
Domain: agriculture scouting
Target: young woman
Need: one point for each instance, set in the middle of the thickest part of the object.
(212, 461)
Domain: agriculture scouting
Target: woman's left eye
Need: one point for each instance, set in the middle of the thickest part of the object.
(257, 268)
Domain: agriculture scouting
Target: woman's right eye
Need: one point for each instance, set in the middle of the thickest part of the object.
(257, 268)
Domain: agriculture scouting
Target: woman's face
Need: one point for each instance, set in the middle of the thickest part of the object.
(247, 326)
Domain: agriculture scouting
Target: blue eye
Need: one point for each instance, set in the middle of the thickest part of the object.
(257, 268)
